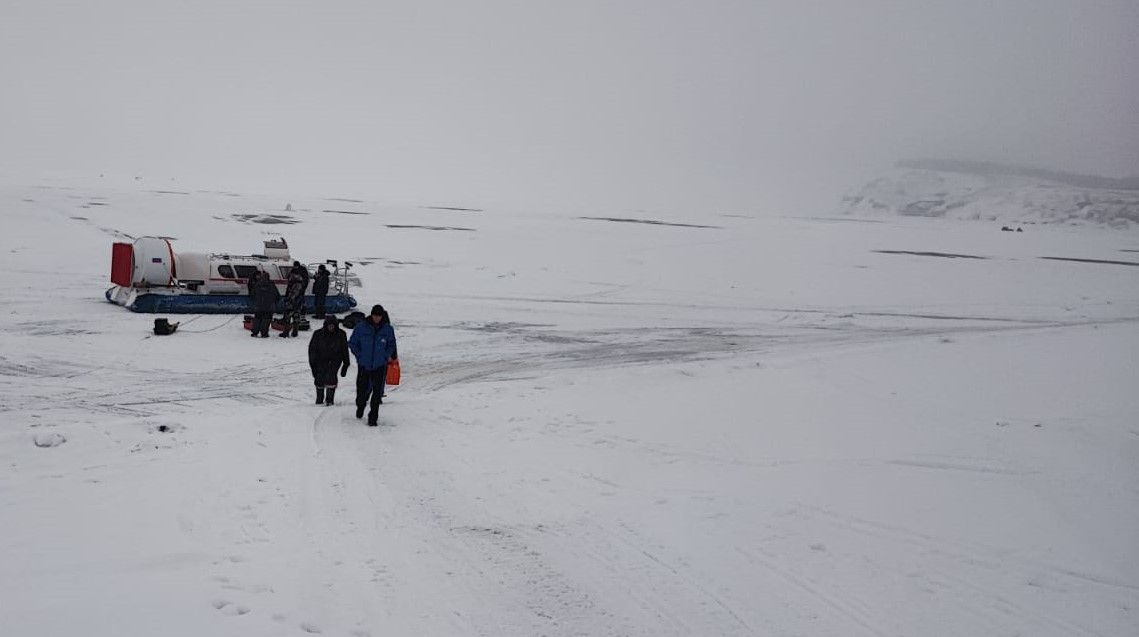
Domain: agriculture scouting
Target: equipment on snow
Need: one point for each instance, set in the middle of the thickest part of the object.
(352, 319)
(277, 325)
(163, 327)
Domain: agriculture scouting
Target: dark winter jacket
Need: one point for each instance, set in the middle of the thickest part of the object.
(320, 282)
(265, 296)
(327, 349)
(373, 345)
(300, 271)
(295, 291)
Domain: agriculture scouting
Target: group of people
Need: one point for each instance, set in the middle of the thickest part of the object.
(374, 346)
(372, 342)
(265, 297)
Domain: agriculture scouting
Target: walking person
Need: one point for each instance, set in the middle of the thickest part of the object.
(265, 296)
(373, 344)
(320, 290)
(295, 298)
(327, 352)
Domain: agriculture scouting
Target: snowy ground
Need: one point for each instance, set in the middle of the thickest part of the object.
(772, 426)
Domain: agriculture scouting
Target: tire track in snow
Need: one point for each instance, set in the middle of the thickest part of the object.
(968, 555)
(847, 610)
(520, 350)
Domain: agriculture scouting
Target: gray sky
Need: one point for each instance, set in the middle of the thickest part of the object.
(702, 106)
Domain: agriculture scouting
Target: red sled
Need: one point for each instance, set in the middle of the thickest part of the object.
(392, 377)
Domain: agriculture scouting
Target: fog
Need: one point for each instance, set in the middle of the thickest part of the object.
(694, 107)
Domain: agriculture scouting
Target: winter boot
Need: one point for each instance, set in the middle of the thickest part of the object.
(373, 418)
(285, 334)
(359, 410)
(320, 395)
(328, 395)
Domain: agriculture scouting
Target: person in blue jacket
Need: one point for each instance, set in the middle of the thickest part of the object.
(373, 345)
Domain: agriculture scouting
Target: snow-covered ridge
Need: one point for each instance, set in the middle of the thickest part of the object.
(993, 192)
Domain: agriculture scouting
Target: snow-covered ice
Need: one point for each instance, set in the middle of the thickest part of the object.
(767, 426)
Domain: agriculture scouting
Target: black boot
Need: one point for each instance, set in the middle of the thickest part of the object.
(373, 418)
(328, 395)
(359, 410)
(320, 395)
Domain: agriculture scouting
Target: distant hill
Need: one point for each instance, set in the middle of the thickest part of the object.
(996, 192)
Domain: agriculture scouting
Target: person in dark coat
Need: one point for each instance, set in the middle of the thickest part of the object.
(265, 296)
(252, 281)
(327, 352)
(301, 270)
(295, 298)
(320, 290)
(373, 344)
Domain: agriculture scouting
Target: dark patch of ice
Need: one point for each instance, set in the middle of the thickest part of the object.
(265, 218)
(1103, 261)
(653, 222)
(945, 255)
(452, 208)
(400, 226)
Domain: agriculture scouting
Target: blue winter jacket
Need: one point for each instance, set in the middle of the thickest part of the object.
(373, 346)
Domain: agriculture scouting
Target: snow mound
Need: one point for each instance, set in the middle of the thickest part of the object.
(990, 192)
(49, 439)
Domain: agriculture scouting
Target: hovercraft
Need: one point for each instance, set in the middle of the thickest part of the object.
(150, 277)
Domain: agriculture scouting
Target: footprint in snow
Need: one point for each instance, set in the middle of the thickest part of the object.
(229, 608)
(310, 627)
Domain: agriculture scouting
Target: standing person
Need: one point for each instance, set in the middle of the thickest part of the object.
(300, 270)
(373, 344)
(252, 282)
(265, 296)
(295, 298)
(327, 351)
(250, 289)
(319, 290)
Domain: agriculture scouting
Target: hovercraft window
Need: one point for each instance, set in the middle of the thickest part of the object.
(226, 271)
(245, 271)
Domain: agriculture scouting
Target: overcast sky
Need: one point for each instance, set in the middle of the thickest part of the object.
(705, 105)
